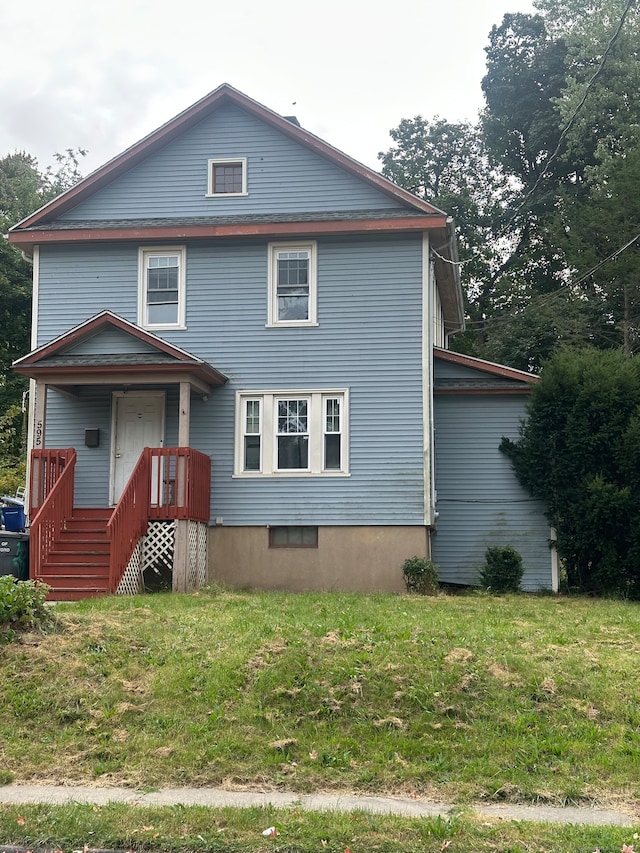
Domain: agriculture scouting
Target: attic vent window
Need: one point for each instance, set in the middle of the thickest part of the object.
(227, 177)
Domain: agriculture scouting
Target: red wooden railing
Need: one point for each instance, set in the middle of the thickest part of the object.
(167, 483)
(46, 467)
(180, 483)
(129, 520)
(50, 501)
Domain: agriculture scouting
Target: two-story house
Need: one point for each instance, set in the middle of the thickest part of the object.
(236, 329)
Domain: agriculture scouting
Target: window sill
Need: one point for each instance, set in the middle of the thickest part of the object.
(226, 195)
(162, 327)
(296, 475)
(303, 324)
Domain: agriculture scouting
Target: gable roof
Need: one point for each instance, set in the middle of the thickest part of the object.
(61, 363)
(221, 96)
(413, 214)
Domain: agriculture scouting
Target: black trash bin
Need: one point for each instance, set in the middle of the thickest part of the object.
(14, 554)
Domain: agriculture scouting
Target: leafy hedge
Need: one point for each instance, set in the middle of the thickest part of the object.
(579, 451)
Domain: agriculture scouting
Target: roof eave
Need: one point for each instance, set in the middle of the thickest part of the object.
(28, 239)
(203, 376)
(444, 249)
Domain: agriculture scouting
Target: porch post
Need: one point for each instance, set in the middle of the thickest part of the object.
(184, 414)
(37, 422)
(180, 556)
(40, 420)
(181, 542)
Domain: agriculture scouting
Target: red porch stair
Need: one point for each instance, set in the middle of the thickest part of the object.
(83, 553)
(77, 566)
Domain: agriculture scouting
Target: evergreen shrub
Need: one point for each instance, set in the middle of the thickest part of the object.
(502, 570)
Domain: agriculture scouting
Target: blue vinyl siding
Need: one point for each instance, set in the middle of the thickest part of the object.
(67, 420)
(282, 177)
(110, 341)
(78, 282)
(480, 502)
(368, 340)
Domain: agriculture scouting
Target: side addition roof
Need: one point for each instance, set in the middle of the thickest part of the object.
(477, 376)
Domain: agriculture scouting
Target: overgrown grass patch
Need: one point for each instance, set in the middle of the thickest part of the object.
(517, 698)
(181, 829)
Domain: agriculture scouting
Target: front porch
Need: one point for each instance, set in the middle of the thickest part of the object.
(162, 515)
(102, 508)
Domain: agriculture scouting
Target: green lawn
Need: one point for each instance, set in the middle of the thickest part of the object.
(457, 698)
(201, 830)
(460, 698)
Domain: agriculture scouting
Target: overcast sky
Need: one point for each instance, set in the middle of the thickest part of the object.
(100, 76)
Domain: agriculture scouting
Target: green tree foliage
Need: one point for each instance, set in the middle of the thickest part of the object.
(23, 189)
(579, 451)
(448, 165)
(552, 169)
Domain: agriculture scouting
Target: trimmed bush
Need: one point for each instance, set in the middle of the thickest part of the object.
(420, 575)
(502, 571)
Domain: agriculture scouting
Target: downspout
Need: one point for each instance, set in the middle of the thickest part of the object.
(34, 260)
(427, 385)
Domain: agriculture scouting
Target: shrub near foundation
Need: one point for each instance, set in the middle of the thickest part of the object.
(420, 575)
(502, 571)
(22, 605)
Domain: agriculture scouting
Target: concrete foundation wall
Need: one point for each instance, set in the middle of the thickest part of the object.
(348, 559)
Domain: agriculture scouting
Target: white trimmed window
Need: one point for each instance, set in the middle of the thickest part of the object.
(292, 284)
(227, 177)
(291, 433)
(161, 291)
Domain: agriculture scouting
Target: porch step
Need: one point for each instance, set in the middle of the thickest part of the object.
(78, 564)
(74, 593)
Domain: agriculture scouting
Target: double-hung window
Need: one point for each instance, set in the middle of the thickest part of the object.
(292, 433)
(292, 284)
(161, 300)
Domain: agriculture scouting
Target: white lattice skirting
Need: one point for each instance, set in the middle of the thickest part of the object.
(131, 583)
(157, 548)
(197, 570)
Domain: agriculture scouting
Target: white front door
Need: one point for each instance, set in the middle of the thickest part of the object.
(138, 422)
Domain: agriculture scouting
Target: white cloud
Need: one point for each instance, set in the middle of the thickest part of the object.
(81, 73)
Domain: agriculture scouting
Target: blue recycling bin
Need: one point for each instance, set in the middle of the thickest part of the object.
(13, 518)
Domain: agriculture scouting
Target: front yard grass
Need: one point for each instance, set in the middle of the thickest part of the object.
(456, 698)
(202, 830)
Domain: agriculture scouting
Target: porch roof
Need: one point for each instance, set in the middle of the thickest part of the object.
(64, 362)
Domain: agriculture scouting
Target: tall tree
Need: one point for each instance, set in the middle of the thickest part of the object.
(447, 165)
(599, 228)
(23, 188)
(555, 192)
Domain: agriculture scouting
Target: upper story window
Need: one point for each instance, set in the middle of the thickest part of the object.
(292, 433)
(227, 177)
(292, 284)
(161, 291)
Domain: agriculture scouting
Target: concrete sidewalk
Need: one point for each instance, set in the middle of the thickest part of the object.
(218, 798)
